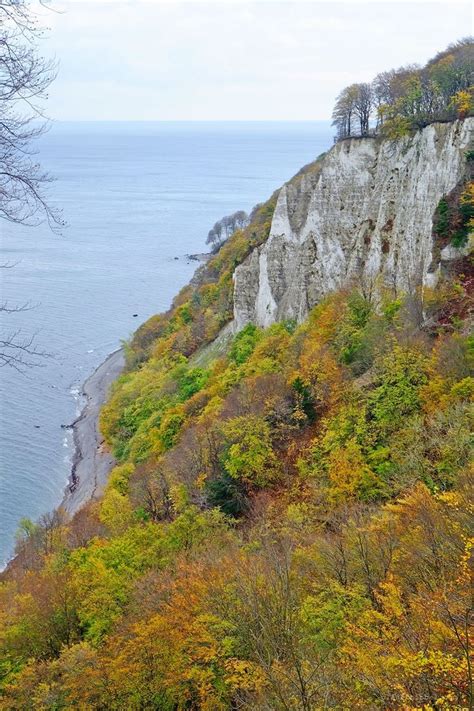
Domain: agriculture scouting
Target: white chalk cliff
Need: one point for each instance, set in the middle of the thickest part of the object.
(362, 214)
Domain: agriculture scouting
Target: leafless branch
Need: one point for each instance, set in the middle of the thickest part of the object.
(20, 352)
(24, 79)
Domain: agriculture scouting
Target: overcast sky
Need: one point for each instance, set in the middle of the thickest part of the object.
(156, 59)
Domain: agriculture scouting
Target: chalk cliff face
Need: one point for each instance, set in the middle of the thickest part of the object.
(362, 214)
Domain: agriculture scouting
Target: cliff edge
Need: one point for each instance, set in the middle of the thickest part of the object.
(362, 214)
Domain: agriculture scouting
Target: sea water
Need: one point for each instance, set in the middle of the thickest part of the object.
(137, 197)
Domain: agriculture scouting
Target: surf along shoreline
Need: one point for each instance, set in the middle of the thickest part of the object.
(92, 462)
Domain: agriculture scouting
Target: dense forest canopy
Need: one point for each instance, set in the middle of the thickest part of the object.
(401, 100)
(289, 524)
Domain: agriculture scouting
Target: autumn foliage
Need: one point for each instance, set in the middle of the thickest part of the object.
(403, 100)
(289, 526)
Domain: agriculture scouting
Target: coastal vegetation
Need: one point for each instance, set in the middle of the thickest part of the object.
(288, 523)
(454, 216)
(226, 227)
(400, 101)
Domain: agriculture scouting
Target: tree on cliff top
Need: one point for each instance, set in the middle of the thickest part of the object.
(411, 97)
(353, 110)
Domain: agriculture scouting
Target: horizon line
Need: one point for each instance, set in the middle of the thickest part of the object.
(295, 120)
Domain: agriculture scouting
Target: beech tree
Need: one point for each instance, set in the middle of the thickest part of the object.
(343, 113)
(354, 104)
(225, 228)
(363, 107)
(411, 97)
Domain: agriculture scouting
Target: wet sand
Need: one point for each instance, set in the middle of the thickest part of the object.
(91, 462)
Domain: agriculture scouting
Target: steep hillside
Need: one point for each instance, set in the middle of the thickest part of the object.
(363, 218)
(289, 524)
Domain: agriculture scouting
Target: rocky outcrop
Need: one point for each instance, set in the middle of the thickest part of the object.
(362, 214)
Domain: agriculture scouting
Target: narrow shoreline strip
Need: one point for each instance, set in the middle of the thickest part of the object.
(91, 462)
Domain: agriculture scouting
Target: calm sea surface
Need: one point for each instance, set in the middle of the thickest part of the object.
(135, 197)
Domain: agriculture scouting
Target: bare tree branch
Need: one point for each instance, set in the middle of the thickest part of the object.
(24, 79)
(20, 352)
